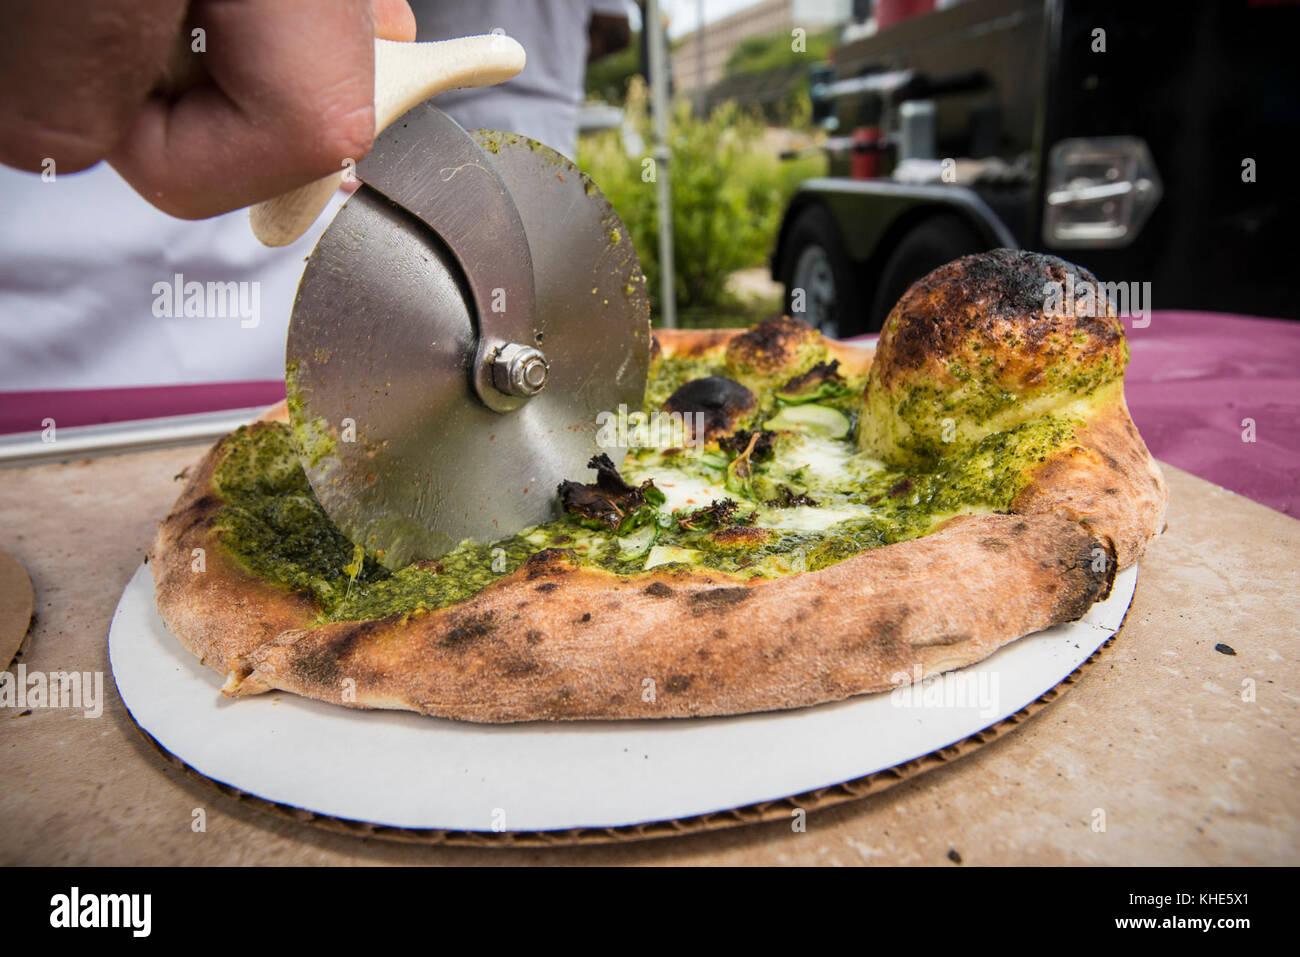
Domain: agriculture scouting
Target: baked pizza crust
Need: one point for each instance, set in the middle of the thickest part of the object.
(555, 640)
(558, 641)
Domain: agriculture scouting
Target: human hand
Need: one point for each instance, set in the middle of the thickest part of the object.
(281, 94)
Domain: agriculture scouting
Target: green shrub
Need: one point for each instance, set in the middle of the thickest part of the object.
(774, 51)
(728, 193)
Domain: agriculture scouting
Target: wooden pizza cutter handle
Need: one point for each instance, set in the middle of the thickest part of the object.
(406, 74)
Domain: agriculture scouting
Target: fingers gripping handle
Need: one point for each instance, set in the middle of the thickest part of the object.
(405, 74)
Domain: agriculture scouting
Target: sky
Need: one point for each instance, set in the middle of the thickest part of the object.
(684, 14)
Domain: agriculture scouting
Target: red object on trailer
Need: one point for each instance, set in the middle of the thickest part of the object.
(889, 12)
(864, 161)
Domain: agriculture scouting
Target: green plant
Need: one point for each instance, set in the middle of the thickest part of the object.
(608, 77)
(775, 56)
(775, 51)
(729, 190)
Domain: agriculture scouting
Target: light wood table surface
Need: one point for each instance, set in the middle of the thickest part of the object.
(1158, 733)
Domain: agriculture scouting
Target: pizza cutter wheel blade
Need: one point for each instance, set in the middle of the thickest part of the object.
(460, 326)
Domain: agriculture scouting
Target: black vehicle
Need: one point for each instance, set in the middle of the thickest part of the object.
(1141, 140)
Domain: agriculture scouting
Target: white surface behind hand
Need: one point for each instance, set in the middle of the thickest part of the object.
(79, 257)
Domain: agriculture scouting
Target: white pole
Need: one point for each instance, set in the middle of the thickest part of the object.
(662, 156)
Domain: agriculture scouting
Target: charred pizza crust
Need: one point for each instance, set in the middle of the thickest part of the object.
(220, 612)
(555, 640)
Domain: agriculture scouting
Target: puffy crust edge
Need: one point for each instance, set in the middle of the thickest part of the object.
(855, 359)
(1106, 480)
(220, 613)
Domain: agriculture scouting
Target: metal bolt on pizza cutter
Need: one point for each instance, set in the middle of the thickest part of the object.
(458, 328)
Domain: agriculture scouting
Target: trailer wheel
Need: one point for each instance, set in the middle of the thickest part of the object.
(929, 244)
(820, 280)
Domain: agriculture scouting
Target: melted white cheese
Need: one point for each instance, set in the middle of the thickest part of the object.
(827, 464)
(686, 491)
(828, 468)
(666, 554)
(806, 518)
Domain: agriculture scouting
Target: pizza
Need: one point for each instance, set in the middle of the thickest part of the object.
(796, 521)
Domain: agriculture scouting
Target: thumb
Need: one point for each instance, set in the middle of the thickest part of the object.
(394, 20)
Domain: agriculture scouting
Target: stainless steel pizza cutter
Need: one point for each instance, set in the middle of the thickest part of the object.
(471, 310)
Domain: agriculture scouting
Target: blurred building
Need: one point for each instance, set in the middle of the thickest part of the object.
(699, 58)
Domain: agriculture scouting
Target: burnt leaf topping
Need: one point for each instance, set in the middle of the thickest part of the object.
(609, 502)
(786, 497)
(737, 442)
(716, 515)
(822, 381)
(719, 402)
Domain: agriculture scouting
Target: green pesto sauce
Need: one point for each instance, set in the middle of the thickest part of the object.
(272, 524)
(313, 437)
(978, 401)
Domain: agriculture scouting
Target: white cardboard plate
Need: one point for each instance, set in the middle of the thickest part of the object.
(409, 771)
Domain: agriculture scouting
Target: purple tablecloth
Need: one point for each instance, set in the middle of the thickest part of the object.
(1194, 380)
(1196, 383)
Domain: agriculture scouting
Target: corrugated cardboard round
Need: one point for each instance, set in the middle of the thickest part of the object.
(405, 772)
(777, 810)
(16, 604)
